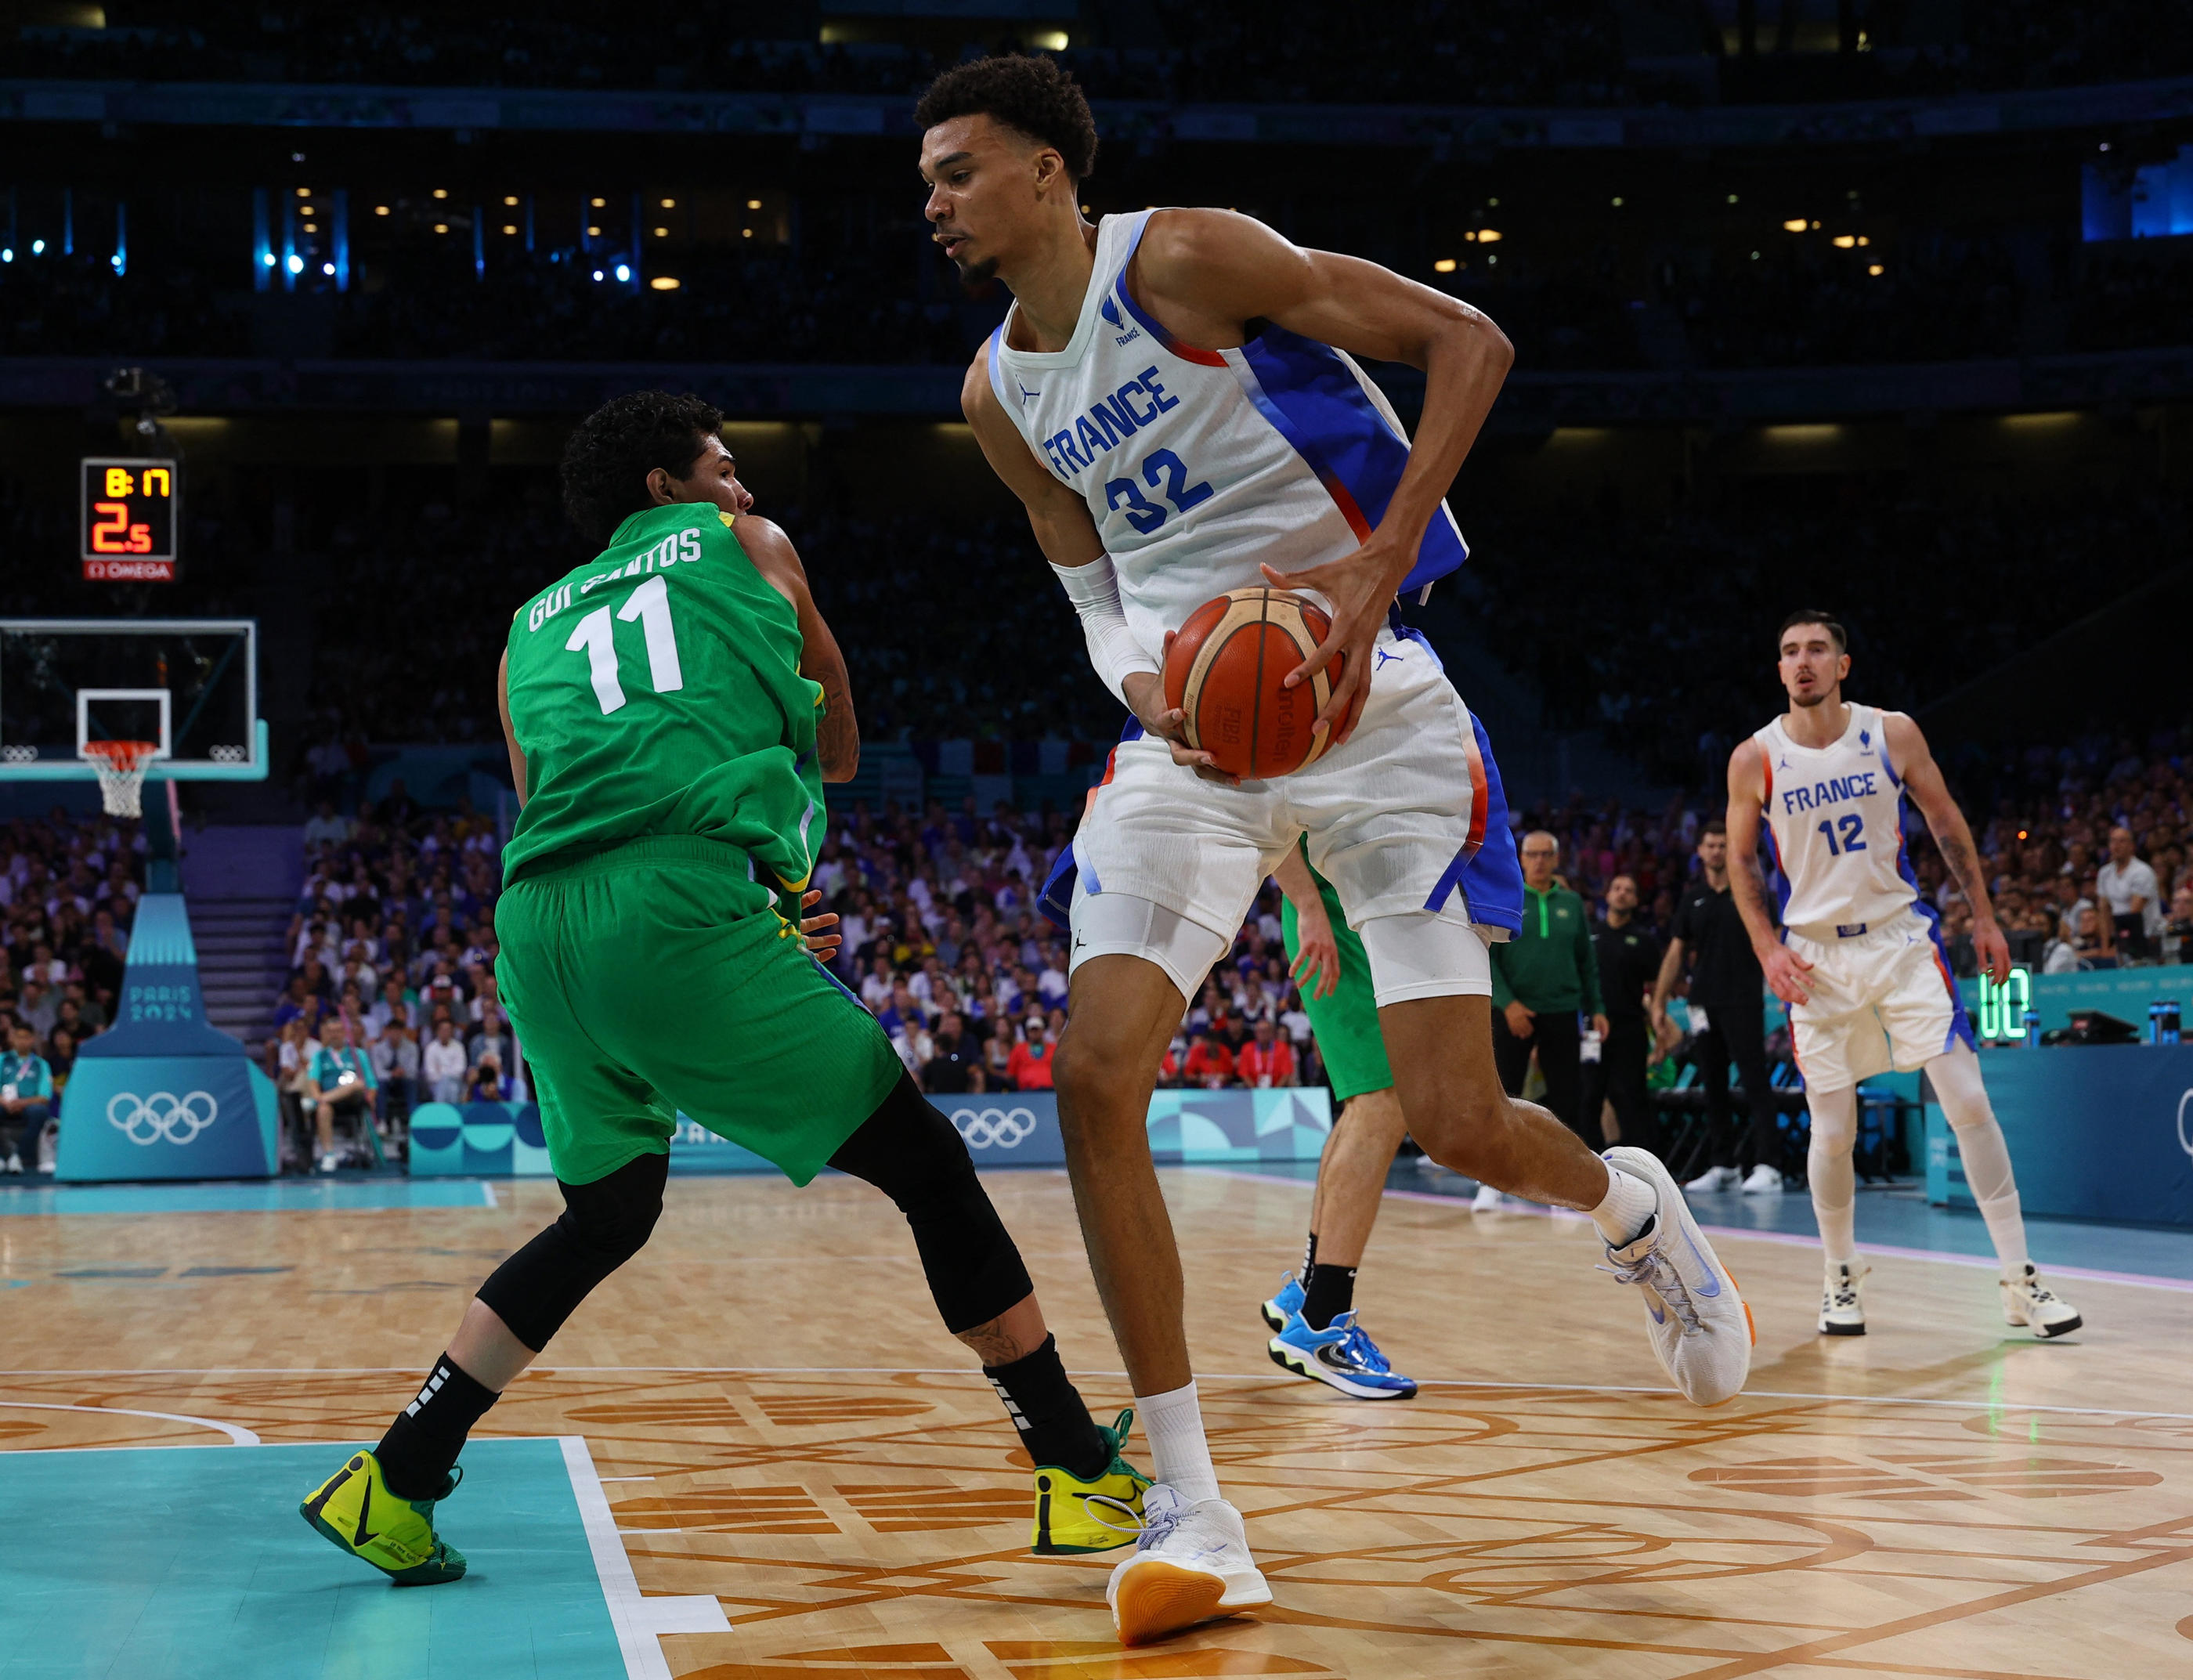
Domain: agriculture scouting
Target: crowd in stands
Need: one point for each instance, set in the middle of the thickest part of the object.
(1922, 296)
(68, 897)
(1437, 52)
(1655, 629)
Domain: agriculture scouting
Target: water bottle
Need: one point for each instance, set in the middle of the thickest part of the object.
(2033, 1029)
(2155, 1022)
(2171, 1021)
(1590, 1045)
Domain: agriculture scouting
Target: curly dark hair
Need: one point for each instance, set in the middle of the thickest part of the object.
(614, 449)
(1032, 94)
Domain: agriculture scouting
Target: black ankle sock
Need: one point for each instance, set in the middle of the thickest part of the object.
(1309, 1262)
(1047, 1409)
(1332, 1292)
(422, 1444)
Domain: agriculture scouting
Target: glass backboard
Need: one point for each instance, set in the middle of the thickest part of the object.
(189, 685)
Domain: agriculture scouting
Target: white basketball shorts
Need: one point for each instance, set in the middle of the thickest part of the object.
(1882, 998)
(1406, 818)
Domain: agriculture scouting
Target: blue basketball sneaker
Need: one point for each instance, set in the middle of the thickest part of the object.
(1342, 1355)
(1285, 1304)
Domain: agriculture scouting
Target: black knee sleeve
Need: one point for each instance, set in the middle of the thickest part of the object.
(604, 1224)
(913, 1154)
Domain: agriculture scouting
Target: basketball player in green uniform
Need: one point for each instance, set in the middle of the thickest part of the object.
(673, 709)
(1317, 1332)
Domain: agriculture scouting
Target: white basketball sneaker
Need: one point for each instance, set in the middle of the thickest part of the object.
(1765, 1180)
(1701, 1329)
(1488, 1200)
(1190, 1562)
(2027, 1301)
(1843, 1302)
(1714, 1178)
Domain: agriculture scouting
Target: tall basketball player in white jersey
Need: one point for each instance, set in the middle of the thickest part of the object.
(1860, 961)
(1172, 398)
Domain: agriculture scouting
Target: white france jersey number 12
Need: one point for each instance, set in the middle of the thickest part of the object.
(650, 604)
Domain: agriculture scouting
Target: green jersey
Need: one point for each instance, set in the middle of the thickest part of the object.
(656, 691)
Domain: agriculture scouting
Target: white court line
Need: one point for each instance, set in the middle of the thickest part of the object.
(487, 1195)
(237, 1435)
(1785, 1239)
(637, 1621)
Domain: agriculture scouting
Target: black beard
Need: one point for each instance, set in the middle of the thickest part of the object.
(972, 274)
(1798, 700)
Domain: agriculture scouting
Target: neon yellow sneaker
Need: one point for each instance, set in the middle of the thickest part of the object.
(1064, 1524)
(355, 1509)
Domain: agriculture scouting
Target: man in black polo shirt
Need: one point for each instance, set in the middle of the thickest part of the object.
(1727, 986)
(1629, 963)
(951, 1072)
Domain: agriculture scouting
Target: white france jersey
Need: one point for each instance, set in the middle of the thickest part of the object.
(1835, 816)
(1196, 465)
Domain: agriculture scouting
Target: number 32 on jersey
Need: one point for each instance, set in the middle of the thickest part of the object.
(592, 635)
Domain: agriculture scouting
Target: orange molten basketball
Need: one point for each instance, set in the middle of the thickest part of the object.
(1225, 671)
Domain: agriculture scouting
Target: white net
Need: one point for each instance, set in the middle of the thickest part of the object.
(121, 766)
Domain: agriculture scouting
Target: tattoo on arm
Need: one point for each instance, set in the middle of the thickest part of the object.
(838, 735)
(1964, 866)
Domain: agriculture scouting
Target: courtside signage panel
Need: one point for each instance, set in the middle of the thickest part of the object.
(130, 520)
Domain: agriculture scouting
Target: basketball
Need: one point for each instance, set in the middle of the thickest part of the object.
(1226, 673)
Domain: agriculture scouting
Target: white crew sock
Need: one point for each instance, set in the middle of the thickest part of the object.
(1181, 1456)
(1981, 1146)
(1828, 1165)
(1628, 1204)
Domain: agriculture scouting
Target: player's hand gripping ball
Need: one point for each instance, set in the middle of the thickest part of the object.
(1224, 674)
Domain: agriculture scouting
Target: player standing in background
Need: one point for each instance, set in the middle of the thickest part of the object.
(1860, 962)
(1316, 1333)
(669, 748)
(1173, 397)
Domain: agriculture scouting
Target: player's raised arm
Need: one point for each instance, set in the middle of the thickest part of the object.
(1232, 269)
(838, 735)
(1069, 541)
(1923, 780)
(1747, 797)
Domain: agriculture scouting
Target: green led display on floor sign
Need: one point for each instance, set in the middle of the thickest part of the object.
(2002, 1008)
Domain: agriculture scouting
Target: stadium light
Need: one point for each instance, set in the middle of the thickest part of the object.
(7, 252)
(38, 248)
(380, 209)
(669, 204)
(441, 193)
(328, 269)
(268, 258)
(510, 201)
(599, 204)
(1444, 265)
(1843, 242)
(510, 227)
(1618, 203)
(598, 273)
(1487, 236)
(1795, 225)
(296, 264)
(1050, 40)
(624, 273)
(664, 283)
(755, 204)
(304, 192)
(1876, 270)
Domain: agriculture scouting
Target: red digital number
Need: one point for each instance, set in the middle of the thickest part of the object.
(111, 536)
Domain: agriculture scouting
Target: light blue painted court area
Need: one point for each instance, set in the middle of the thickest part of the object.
(182, 1563)
(250, 1195)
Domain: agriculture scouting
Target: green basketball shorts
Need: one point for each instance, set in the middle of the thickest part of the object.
(1346, 1020)
(657, 977)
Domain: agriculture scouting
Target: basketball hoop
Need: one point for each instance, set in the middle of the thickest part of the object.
(121, 765)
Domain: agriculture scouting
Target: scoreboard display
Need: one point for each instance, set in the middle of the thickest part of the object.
(131, 514)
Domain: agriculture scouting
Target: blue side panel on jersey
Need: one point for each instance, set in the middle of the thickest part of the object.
(1490, 876)
(990, 354)
(1960, 1020)
(1055, 901)
(1314, 400)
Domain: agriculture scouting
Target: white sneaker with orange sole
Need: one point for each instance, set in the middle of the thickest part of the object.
(1190, 1562)
(1701, 1329)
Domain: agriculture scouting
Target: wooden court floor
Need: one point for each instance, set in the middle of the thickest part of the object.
(782, 1424)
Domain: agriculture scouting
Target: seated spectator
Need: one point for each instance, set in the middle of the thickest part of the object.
(488, 1083)
(2177, 932)
(998, 1054)
(492, 1039)
(2126, 883)
(954, 1067)
(1029, 1064)
(1266, 1060)
(394, 1007)
(26, 1098)
(39, 1006)
(340, 1082)
(442, 1062)
(60, 1057)
(1210, 1063)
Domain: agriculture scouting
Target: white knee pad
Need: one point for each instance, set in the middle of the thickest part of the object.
(1425, 954)
(1117, 924)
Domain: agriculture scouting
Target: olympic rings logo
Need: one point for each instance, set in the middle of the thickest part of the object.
(147, 1120)
(994, 1128)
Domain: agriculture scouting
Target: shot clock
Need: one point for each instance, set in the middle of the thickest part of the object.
(130, 520)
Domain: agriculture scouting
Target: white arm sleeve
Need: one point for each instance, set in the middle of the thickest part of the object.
(1094, 589)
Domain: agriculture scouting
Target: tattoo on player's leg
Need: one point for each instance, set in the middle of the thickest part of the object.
(992, 1344)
